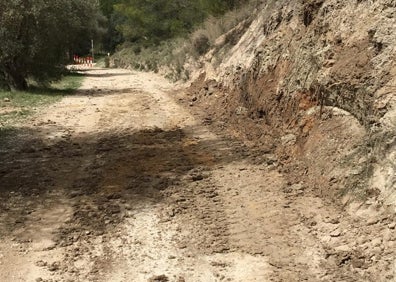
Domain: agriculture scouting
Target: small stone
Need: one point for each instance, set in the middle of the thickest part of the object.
(334, 221)
(40, 263)
(335, 233)
(297, 187)
(376, 242)
(113, 196)
(53, 267)
(372, 221)
(387, 236)
(7, 100)
(361, 240)
(159, 278)
(391, 245)
(343, 248)
(358, 262)
(392, 225)
(182, 246)
(241, 111)
(197, 177)
(289, 139)
(377, 251)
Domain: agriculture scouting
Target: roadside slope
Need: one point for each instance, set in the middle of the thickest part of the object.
(318, 79)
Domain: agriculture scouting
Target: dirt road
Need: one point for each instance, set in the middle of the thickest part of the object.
(119, 182)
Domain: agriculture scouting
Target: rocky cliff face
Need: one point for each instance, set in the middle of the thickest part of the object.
(313, 81)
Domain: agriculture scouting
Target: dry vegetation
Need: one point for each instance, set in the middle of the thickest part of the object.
(171, 57)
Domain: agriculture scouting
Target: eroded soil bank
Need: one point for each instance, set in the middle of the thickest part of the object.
(125, 181)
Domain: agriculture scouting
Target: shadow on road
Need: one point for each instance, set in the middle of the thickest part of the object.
(105, 75)
(101, 92)
(98, 174)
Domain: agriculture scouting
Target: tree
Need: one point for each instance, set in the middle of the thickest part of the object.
(112, 37)
(148, 22)
(107, 6)
(36, 36)
(217, 7)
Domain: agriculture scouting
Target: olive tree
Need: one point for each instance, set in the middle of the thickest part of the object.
(36, 36)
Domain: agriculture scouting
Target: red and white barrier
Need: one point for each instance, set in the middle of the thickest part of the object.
(85, 61)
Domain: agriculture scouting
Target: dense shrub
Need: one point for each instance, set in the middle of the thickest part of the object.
(201, 43)
(37, 35)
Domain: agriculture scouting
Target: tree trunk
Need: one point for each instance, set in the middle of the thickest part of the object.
(15, 79)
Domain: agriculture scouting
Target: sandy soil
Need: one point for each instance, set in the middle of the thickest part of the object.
(121, 182)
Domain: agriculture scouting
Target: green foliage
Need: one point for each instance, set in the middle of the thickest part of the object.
(36, 36)
(175, 56)
(107, 6)
(218, 7)
(149, 22)
(168, 56)
(200, 43)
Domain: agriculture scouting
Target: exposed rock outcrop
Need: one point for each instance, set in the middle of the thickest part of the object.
(323, 71)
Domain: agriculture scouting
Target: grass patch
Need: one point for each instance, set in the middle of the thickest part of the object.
(68, 84)
(16, 106)
(14, 115)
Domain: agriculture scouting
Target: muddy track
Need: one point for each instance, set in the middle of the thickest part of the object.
(121, 183)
